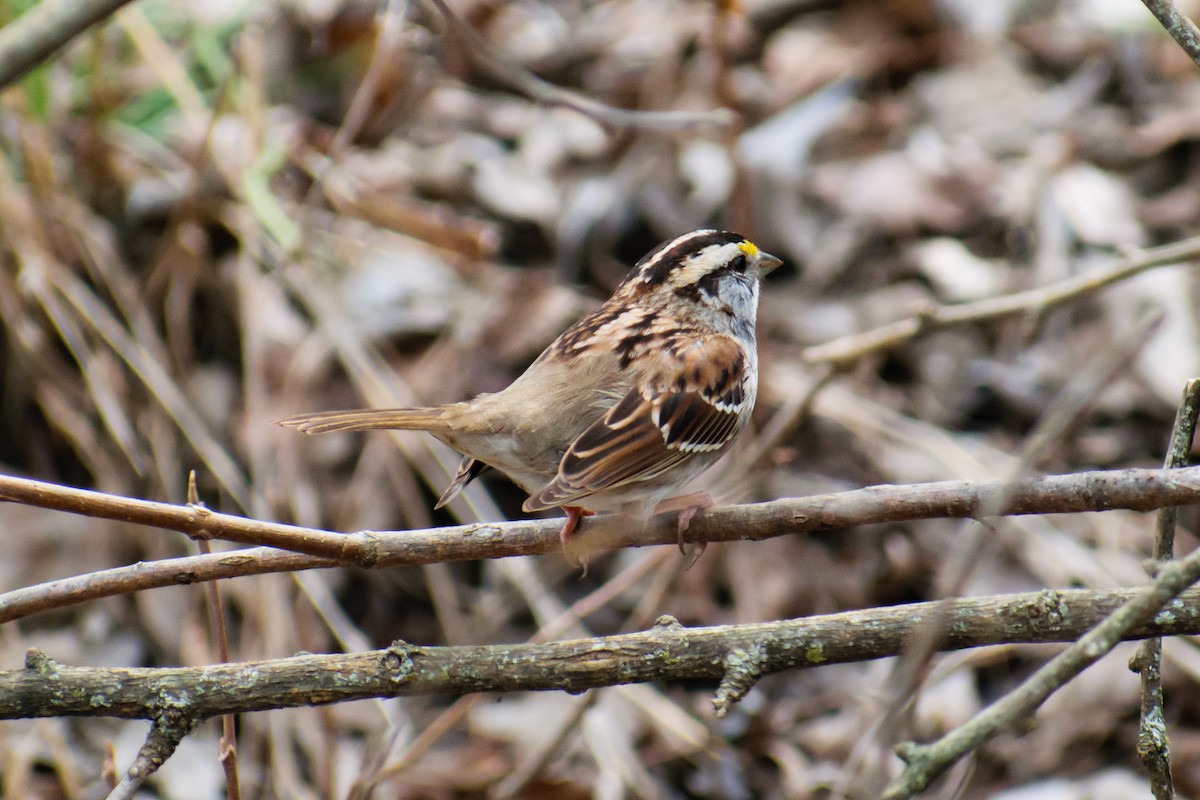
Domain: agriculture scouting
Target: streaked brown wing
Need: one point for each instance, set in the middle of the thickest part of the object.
(692, 405)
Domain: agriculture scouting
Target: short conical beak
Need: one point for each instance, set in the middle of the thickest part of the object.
(765, 262)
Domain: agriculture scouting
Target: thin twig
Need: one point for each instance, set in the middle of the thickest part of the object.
(1133, 489)
(45, 28)
(157, 378)
(848, 349)
(1105, 364)
(143, 576)
(925, 763)
(1182, 29)
(665, 652)
(1153, 745)
(484, 55)
(383, 57)
(220, 633)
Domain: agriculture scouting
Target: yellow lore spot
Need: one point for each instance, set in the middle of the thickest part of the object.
(748, 247)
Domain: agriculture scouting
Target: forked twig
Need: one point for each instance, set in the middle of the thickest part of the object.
(1152, 746)
(925, 763)
(1106, 364)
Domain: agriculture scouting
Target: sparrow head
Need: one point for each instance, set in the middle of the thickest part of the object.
(717, 270)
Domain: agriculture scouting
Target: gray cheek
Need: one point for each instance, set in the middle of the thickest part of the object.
(741, 297)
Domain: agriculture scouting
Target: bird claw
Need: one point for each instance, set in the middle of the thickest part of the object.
(694, 504)
(695, 554)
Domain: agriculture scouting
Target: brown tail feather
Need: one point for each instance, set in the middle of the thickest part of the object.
(366, 419)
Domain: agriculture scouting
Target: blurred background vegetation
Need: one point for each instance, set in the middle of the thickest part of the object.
(216, 214)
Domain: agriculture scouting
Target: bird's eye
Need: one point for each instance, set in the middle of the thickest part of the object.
(738, 264)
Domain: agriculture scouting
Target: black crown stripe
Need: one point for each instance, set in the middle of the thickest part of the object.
(658, 263)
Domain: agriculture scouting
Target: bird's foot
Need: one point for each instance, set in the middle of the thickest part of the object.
(688, 506)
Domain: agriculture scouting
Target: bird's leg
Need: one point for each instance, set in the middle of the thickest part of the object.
(688, 506)
(574, 515)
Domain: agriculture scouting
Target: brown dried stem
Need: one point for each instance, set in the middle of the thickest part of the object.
(1133, 489)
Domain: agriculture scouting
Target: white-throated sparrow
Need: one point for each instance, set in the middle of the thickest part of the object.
(629, 404)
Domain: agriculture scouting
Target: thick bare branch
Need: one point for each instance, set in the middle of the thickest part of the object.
(668, 651)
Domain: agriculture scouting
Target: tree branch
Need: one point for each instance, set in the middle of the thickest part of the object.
(42, 30)
(167, 731)
(668, 651)
(1152, 748)
(848, 349)
(925, 763)
(1134, 489)
(1181, 29)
